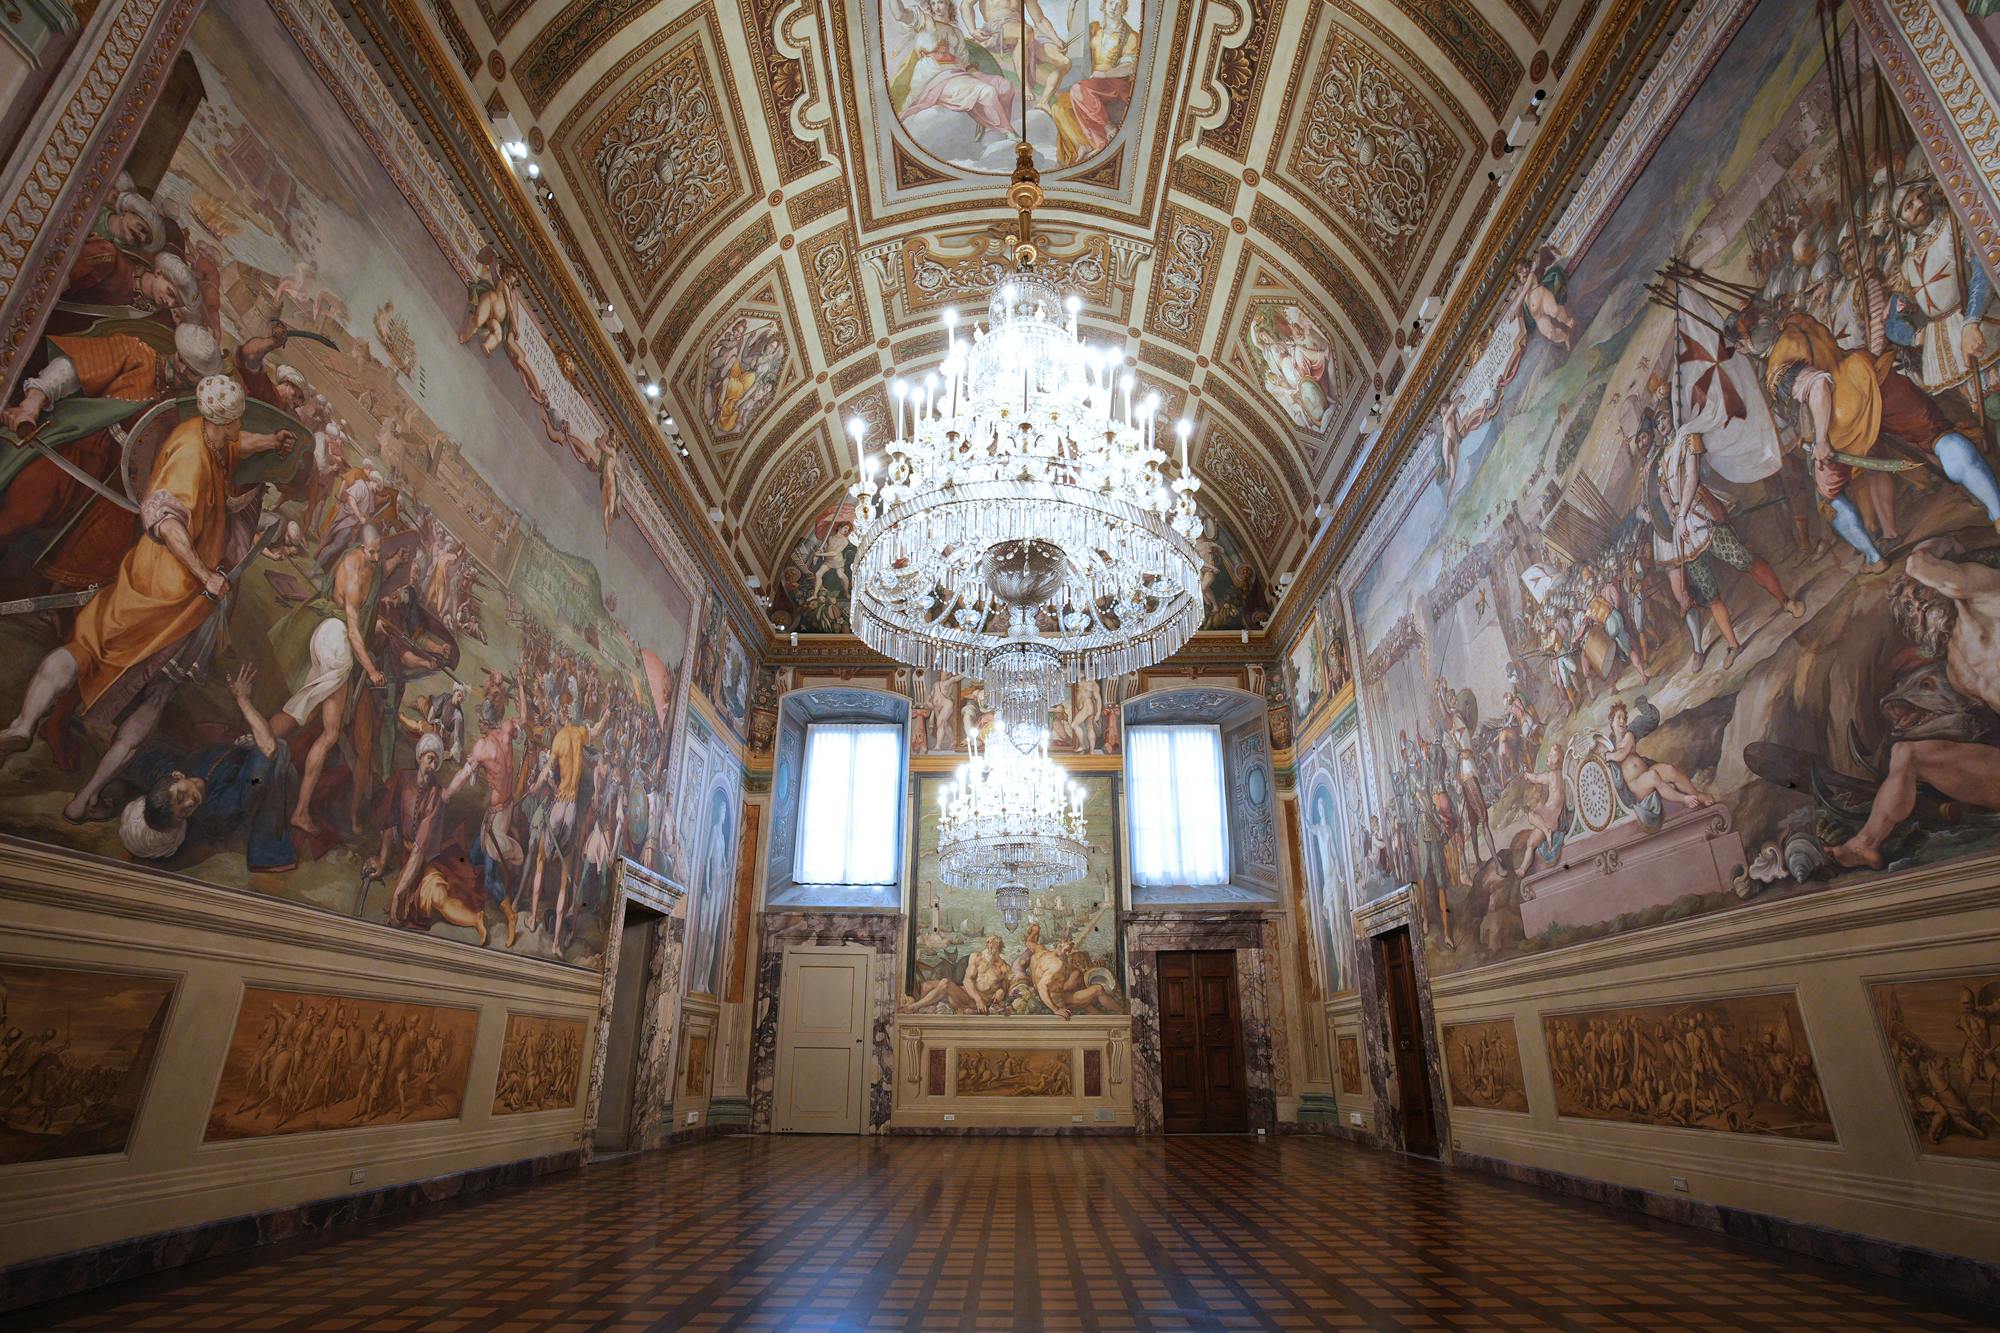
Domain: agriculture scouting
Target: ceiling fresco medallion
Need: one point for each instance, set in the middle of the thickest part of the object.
(950, 73)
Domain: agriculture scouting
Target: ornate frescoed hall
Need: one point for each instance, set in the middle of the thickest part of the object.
(999, 664)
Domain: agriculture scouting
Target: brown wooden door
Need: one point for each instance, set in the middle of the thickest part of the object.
(1406, 1044)
(1201, 1045)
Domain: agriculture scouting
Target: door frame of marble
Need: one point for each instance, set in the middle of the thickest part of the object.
(851, 1038)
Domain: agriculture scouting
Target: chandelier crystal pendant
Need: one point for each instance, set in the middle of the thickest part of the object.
(1022, 526)
(1011, 822)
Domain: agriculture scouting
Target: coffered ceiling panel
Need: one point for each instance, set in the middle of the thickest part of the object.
(776, 198)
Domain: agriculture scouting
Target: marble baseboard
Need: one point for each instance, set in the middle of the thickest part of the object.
(1332, 1130)
(61, 1275)
(1951, 1274)
(701, 1133)
(1013, 1131)
(730, 1113)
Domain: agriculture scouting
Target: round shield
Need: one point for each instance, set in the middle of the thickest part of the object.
(1596, 797)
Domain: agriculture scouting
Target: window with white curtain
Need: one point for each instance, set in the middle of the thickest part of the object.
(850, 805)
(1180, 830)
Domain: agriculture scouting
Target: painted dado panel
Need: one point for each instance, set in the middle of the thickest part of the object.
(191, 1053)
(987, 1072)
(1828, 1061)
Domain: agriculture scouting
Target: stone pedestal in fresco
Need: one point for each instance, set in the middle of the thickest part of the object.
(1626, 869)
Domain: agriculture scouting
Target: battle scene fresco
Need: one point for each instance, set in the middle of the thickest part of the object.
(300, 1062)
(75, 1051)
(1316, 666)
(1738, 1063)
(1944, 1041)
(955, 76)
(306, 585)
(1686, 606)
(1062, 957)
(722, 670)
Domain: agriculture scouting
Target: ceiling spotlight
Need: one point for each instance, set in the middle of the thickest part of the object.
(753, 580)
(534, 170)
(517, 150)
(714, 515)
(670, 421)
(795, 637)
(652, 388)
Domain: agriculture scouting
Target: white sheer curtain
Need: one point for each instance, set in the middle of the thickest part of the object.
(1179, 833)
(848, 822)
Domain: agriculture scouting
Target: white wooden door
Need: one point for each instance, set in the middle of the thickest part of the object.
(822, 1040)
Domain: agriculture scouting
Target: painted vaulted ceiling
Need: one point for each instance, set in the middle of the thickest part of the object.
(770, 202)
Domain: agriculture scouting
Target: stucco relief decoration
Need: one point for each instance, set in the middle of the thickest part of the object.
(796, 481)
(662, 162)
(1225, 463)
(829, 264)
(1091, 271)
(1186, 267)
(1374, 150)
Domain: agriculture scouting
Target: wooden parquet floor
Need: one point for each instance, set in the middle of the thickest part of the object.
(932, 1233)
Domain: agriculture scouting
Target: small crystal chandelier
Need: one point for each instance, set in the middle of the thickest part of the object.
(1020, 526)
(1012, 822)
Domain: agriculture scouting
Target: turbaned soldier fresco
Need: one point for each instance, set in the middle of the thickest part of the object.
(307, 585)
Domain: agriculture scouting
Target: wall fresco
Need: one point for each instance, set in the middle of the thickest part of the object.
(76, 1049)
(541, 1065)
(1944, 1043)
(1483, 1066)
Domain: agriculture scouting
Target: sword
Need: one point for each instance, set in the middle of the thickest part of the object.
(32, 439)
(55, 601)
(194, 649)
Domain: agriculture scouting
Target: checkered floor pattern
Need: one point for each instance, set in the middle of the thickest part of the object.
(974, 1234)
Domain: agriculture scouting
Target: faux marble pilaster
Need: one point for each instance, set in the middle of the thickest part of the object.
(661, 995)
(881, 932)
(653, 1084)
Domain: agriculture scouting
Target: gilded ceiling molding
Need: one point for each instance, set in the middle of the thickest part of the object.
(1372, 155)
(810, 205)
(1212, 185)
(964, 268)
(1239, 69)
(829, 264)
(455, 35)
(787, 500)
(502, 16)
(796, 420)
(1185, 263)
(655, 167)
(1949, 105)
(781, 83)
(1341, 287)
(1219, 389)
(1470, 43)
(71, 152)
(1578, 26)
(1535, 16)
(1251, 491)
(743, 250)
(573, 37)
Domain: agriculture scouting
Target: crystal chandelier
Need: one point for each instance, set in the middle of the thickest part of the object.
(1021, 525)
(1010, 821)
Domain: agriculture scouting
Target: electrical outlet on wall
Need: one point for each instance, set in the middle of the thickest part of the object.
(1354, 1117)
(949, 1117)
(358, 1176)
(1076, 1120)
(1681, 1184)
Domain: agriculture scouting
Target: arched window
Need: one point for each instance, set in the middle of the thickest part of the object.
(837, 796)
